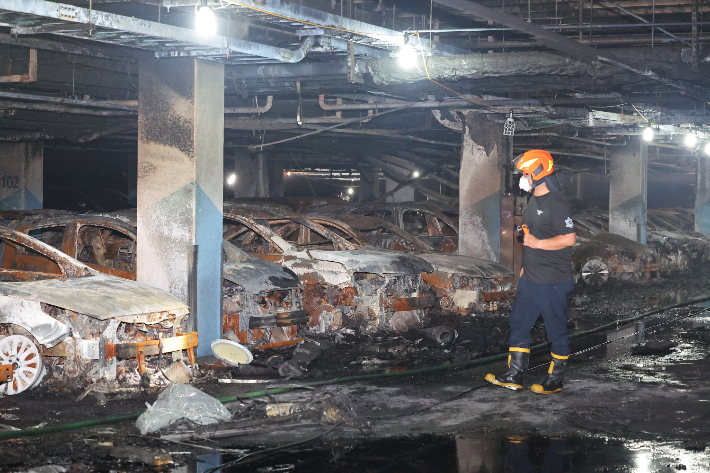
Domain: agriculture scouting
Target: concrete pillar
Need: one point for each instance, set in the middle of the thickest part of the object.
(252, 174)
(21, 176)
(132, 180)
(275, 178)
(180, 173)
(480, 181)
(702, 196)
(369, 186)
(627, 192)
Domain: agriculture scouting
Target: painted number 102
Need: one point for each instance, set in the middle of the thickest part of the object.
(10, 182)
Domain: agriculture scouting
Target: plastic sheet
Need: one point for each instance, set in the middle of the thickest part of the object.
(179, 402)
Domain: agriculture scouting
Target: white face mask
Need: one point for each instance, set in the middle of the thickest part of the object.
(525, 184)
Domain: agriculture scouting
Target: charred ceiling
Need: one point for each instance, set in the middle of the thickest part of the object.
(578, 76)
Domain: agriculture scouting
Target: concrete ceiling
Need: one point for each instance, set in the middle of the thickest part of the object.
(569, 60)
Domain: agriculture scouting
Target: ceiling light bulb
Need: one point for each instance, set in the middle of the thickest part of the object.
(691, 140)
(232, 179)
(648, 134)
(407, 56)
(205, 22)
(288, 173)
(351, 191)
(707, 148)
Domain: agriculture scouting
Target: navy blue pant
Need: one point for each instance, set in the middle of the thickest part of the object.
(550, 300)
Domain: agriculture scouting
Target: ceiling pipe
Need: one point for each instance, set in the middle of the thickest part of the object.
(428, 104)
(252, 110)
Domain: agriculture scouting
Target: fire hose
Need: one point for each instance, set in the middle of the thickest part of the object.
(397, 374)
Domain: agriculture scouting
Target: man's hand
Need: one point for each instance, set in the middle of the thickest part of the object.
(550, 244)
(531, 241)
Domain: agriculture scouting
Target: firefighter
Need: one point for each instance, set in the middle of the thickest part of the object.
(546, 277)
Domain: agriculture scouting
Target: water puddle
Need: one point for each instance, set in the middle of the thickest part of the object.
(471, 453)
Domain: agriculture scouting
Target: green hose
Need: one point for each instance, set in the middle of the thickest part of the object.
(13, 434)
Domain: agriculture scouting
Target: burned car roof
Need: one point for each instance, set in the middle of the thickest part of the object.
(468, 265)
(355, 258)
(375, 260)
(99, 295)
(255, 274)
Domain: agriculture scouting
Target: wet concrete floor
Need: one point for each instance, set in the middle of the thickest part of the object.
(638, 404)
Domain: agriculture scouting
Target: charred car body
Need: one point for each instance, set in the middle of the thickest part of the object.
(60, 314)
(462, 283)
(343, 281)
(672, 246)
(261, 300)
(430, 223)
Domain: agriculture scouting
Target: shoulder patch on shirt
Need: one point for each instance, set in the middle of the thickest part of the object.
(539, 212)
(569, 223)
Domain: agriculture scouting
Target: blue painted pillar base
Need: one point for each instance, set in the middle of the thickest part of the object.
(21, 176)
(702, 197)
(179, 187)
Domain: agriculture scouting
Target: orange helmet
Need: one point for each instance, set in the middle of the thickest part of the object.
(535, 162)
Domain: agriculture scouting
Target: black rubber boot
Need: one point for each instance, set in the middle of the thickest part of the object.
(518, 363)
(555, 375)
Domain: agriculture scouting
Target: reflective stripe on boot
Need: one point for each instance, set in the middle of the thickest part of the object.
(518, 360)
(555, 375)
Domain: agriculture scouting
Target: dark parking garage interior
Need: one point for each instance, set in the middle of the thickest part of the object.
(339, 235)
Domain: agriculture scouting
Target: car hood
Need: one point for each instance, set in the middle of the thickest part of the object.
(375, 261)
(258, 275)
(100, 296)
(467, 265)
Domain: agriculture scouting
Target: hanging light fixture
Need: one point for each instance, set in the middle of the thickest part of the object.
(205, 21)
(509, 126)
(407, 55)
(691, 139)
(648, 134)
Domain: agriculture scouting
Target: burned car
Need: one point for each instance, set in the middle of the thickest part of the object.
(672, 246)
(261, 301)
(61, 316)
(463, 283)
(599, 256)
(344, 282)
(431, 223)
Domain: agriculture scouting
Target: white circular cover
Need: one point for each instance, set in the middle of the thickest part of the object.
(231, 352)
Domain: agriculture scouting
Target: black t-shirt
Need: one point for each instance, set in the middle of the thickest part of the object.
(548, 216)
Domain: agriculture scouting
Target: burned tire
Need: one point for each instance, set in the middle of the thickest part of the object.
(595, 272)
(22, 353)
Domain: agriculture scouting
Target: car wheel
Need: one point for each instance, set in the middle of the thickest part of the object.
(595, 272)
(28, 369)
